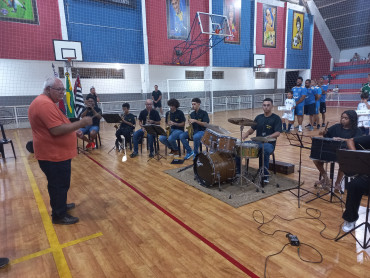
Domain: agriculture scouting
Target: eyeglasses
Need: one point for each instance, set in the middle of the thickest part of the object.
(59, 89)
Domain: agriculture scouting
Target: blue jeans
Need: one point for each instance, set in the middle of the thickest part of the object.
(87, 129)
(171, 141)
(58, 175)
(138, 136)
(196, 138)
(269, 149)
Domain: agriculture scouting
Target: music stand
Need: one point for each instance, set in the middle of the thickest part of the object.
(356, 163)
(299, 141)
(112, 119)
(155, 130)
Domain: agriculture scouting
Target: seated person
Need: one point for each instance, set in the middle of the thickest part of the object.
(268, 125)
(347, 128)
(356, 188)
(127, 126)
(198, 119)
(175, 121)
(356, 58)
(93, 111)
(364, 120)
(146, 116)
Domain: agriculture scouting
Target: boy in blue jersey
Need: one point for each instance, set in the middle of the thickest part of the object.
(317, 93)
(299, 95)
(324, 91)
(310, 103)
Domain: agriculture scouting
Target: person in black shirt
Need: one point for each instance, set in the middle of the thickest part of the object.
(345, 130)
(175, 121)
(198, 119)
(4, 262)
(268, 125)
(147, 116)
(127, 126)
(90, 110)
(356, 188)
(93, 95)
(157, 98)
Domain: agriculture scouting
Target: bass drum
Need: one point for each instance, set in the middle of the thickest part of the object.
(207, 167)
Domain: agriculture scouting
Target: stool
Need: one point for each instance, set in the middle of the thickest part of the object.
(5, 141)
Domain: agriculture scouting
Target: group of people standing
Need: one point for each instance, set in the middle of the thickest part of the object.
(309, 100)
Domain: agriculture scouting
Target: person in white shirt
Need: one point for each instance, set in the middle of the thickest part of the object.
(364, 120)
(288, 113)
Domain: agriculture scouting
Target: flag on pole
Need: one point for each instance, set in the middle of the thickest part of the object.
(69, 98)
(61, 102)
(79, 99)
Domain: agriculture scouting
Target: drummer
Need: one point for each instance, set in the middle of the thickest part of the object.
(268, 125)
(346, 129)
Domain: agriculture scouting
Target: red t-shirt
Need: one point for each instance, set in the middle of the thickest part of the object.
(43, 115)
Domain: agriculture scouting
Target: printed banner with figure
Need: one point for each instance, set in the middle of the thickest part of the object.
(297, 33)
(232, 12)
(269, 26)
(22, 11)
(178, 19)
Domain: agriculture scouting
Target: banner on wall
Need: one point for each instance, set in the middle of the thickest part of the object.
(269, 26)
(178, 19)
(232, 12)
(22, 11)
(297, 33)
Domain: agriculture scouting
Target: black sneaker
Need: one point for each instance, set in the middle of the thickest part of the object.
(71, 206)
(318, 126)
(117, 145)
(308, 126)
(66, 220)
(151, 155)
(133, 155)
(323, 125)
(4, 262)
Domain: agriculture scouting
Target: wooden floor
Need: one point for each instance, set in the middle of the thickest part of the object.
(137, 221)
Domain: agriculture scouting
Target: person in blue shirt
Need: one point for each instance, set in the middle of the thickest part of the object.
(299, 95)
(324, 91)
(317, 93)
(310, 103)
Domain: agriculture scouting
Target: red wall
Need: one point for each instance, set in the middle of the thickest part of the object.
(321, 56)
(29, 41)
(274, 57)
(160, 48)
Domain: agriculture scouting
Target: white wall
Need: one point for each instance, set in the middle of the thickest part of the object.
(347, 54)
(25, 77)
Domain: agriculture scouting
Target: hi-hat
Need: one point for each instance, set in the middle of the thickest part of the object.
(242, 121)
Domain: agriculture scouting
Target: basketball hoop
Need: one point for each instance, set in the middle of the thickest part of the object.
(69, 62)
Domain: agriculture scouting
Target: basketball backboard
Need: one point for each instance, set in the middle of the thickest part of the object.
(214, 24)
(259, 60)
(67, 49)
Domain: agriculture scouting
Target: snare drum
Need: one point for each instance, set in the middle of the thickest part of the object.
(248, 150)
(325, 149)
(226, 144)
(208, 166)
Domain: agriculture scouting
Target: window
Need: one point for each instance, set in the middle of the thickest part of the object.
(217, 75)
(192, 74)
(95, 73)
(265, 75)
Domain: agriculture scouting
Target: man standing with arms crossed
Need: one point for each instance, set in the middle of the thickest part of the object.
(55, 144)
(157, 99)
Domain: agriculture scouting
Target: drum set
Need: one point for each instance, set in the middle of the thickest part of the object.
(217, 164)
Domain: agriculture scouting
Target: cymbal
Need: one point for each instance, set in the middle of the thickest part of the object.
(242, 121)
(263, 139)
(218, 129)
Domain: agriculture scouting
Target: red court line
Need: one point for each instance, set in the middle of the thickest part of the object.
(178, 221)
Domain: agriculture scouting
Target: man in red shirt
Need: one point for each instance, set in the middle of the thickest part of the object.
(55, 144)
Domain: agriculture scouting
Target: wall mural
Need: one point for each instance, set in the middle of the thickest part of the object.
(178, 19)
(24, 11)
(232, 12)
(297, 33)
(269, 26)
